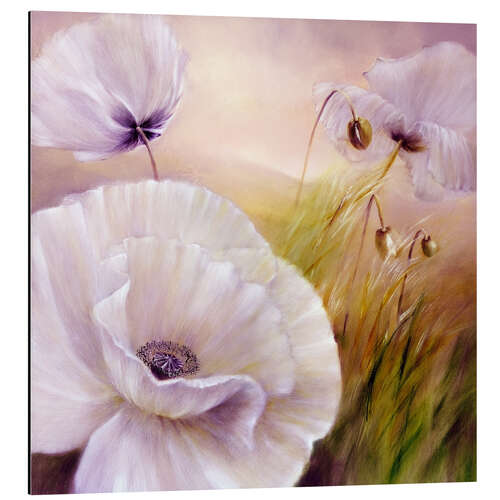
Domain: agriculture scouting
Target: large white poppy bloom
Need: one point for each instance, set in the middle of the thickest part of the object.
(171, 345)
(96, 82)
(426, 100)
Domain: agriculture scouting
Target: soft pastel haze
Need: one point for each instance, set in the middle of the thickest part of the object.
(247, 111)
(396, 381)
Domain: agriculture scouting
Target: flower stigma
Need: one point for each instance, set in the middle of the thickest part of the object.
(167, 359)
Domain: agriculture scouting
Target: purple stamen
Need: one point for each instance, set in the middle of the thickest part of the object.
(167, 359)
(166, 364)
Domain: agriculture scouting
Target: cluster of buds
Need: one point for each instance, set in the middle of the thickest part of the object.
(386, 247)
(359, 132)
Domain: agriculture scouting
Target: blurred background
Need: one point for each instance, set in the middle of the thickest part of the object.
(247, 109)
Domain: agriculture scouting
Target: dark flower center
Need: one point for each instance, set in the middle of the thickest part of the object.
(412, 142)
(168, 359)
(166, 365)
(131, 138)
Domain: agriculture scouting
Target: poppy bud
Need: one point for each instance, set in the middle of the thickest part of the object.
(429, 246)
(384, 242)
(359, 132)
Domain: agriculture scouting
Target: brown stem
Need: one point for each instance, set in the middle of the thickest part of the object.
(146, 143)
(318, 118)
(410, 253)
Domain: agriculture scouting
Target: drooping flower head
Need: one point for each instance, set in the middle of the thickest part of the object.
(94, 84)
(172, 346)
(426, 101)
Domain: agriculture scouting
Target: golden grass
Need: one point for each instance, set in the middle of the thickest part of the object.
(408, 407)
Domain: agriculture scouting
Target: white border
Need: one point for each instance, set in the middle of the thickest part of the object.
(13, 199)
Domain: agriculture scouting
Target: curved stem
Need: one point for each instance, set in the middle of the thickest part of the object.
(313, 131)
(373, 197)
(391, 159)
(146, 143)
(360, 250)
(379, 210)
(337, 211)
(420, 232)
(318, 242)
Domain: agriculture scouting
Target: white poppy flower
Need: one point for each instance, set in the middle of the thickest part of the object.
(96, 82)
(426, 100)
(171, 346)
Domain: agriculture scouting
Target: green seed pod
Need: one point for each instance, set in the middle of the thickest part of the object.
(359, 132)
(429, 246)
(384, 242)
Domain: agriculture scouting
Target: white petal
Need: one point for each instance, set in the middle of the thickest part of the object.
(64, 279)
(290, 425)
(177, 293)
(437, 84)
(253, 264)
(171, 210)
(82, 86)
(138, 453)
(134, 452)
(447, 163)
(316, 395)
(184, 397)
(65, 408)
(146, 44)
(112, 274)
(337, 114)
(69, 107)
(69, 395)
(425, 186)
